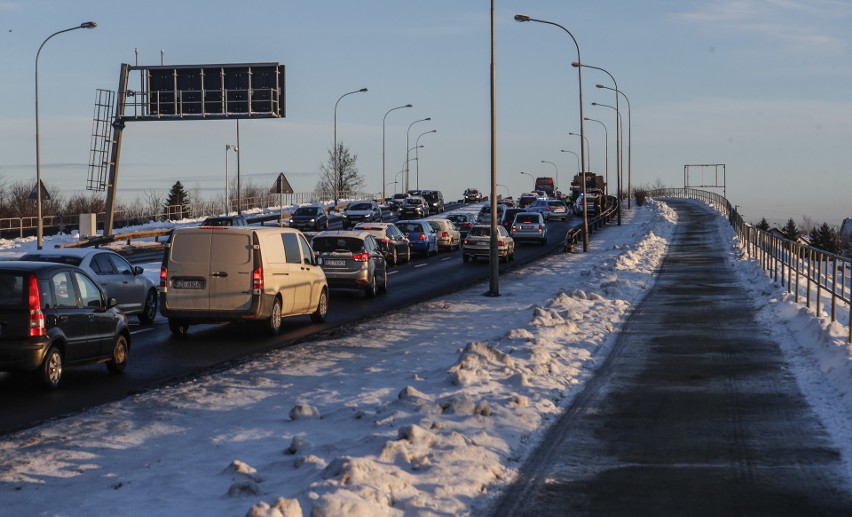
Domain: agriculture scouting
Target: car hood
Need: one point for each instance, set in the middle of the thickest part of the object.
(358, 212)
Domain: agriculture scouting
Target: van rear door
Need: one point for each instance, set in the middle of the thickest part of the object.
(230, 271)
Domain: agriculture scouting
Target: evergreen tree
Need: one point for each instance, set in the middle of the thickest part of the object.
(345, 181)
(763, 225)
(826, 238)
(177, 204)
(790, 230)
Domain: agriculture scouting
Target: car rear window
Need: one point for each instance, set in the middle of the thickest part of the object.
(332, 244)
(527, 219)
(12, 289)
(480, 231)
(59, 259)
(411, 227)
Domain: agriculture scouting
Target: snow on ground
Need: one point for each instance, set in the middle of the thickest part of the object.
(427, 410)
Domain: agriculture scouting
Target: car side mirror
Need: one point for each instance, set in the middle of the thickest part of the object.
(319, 261)
(138, 270)
(111, 302)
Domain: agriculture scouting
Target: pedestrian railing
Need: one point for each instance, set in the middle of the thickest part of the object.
(813, 276)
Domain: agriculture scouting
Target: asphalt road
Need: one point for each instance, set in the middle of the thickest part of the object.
(158, 358)
(694, 412)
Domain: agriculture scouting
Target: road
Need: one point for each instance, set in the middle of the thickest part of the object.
(158, 358)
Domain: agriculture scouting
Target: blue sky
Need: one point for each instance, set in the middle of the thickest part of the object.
(761, 86)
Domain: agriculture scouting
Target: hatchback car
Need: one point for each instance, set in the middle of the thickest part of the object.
(413, 207)
(352, 260)
(393, 243)
(478, 244)
(309, 218)
(484, 216)
(509, 217)
(464, 221)
(136, 293)
(558, 209)
(361, 211)
(449, 238)
(53, 315)
(421, 236)
(529, 226)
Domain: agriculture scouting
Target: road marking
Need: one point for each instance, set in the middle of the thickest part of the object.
(421, 265)
(132, 332)
(393, 272)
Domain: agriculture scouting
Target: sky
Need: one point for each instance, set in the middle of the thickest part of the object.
(761, 86)
(388, 420)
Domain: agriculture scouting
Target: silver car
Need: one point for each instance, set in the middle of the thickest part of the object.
(352, 260)
(529, 226)
(449, 238)
(135, 293)
(478, 244)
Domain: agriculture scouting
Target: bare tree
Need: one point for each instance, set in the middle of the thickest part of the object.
(342, 182)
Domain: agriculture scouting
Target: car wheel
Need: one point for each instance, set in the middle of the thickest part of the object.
(318, 316)
(272, 325)
(384, 287)
(408, 254)
(371, 290)
(51, 368)
(178, 328)
(149, 311)
(120, 352)
(394, 257)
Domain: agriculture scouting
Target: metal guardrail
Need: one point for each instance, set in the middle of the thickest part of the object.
(797, 266)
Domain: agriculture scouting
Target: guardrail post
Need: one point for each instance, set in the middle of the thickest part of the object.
(834, 290)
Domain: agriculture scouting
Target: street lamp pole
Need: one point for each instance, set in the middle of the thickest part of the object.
(417, 153)
(338, 175)
(555, 188)
(236, 149)
(384, 193)
(576, 156)
(606, 152)
(40, 224)
(524, 18)
(531, 176)
(407, 135)
(629, 142)
(585, 143)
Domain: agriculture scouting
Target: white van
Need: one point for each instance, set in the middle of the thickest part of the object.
(214, 274)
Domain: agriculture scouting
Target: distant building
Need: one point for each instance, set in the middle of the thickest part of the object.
(846, 230)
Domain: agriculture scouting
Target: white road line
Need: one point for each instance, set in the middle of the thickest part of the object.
(421, 265)
(132, 332)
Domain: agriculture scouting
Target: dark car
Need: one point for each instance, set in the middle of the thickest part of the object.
(361, 212)
(55, 315)
(352, 260)
(413, 207)
(509, 216)
(225, 220)
(393, 243)
(526, 199)
(309, 218)
(435, 200)
(464, 221)
(396, 201)
(135, 293)
(472, 195)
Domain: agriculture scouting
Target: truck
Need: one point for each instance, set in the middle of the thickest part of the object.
(545, 184)
(594, 183)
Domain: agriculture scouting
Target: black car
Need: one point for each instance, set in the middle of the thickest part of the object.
(509, 216)
(361, 212)
(472, 195)
(225, 220)
(435, 200)
(309, 218)
(413, 207)
(396, 201)
(55, 315)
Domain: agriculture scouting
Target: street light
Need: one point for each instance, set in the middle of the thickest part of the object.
(556, 187)
(585, 142)
(407, 133)
(531, 176)
(338, 175)
(576, 155)
(228, 147)
(40, 224)
(408, 159)
(606, 151)
(417, 153)
(524, 18)
(384, 194)
(629, 141)
(507, 189)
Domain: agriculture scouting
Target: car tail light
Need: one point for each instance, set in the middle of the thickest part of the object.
(361, 257)
(540, 229)
(466, 242)
(514, 228)
(422, 237)
(257, 279)
(36, 316)
(501, 243)
(445, 234)
(164, 275)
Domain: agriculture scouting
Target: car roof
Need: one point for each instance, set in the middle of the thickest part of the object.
(376, 226)
(31, 265)
(357, 234)
(68, 252)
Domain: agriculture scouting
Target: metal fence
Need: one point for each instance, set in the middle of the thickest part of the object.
(814, 277)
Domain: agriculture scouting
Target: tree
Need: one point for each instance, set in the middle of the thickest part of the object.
(343, 183)
(763, 225)
(826, 238)
(790, 230)
(177, 204)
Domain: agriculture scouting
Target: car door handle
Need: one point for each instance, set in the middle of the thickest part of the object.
(220, 274)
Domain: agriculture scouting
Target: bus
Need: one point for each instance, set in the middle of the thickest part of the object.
(545, 184)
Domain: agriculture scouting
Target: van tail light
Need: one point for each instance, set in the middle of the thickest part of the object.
(164, 275)
(257, 280)
(361, 257)
(36, 315)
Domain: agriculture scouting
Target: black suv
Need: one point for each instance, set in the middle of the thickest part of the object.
(435, 200)
(55, 315)
(472, 195)
(414, 207)
(309, 218)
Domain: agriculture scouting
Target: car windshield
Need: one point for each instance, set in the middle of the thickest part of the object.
(411, 227)
(413, 201)
(360, 206)
(480, 231)
(306, 210)
(332, 244)
(400, 196)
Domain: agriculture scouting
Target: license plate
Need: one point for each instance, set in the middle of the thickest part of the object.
(188, 284)
(335, 262)
(527, 228)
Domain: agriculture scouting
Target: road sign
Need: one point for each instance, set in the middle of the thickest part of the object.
(44, 194)
(281, 186)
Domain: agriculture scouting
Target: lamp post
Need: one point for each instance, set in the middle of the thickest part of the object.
(618, 152)
(576, 156)
(384, 194)
(629, 142)
(555, 188)
(531, 176)
(338, 175)
(505, 187)
(606, 152)
(417, 153)
(585, 143)
(40, 224)
(524, 18)
(405, 183)
(408, 159)
(236, 149)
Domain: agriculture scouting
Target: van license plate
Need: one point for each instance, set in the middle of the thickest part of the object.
(188, 284)
(335, 262)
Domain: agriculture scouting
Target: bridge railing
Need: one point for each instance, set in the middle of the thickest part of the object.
(813, 276)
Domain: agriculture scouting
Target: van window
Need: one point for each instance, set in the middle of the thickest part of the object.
(231, 248)
(190, 247)
(12, 290)
(307, 252)
(291, 248)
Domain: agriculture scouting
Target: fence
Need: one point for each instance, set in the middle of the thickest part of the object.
(807, 272)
